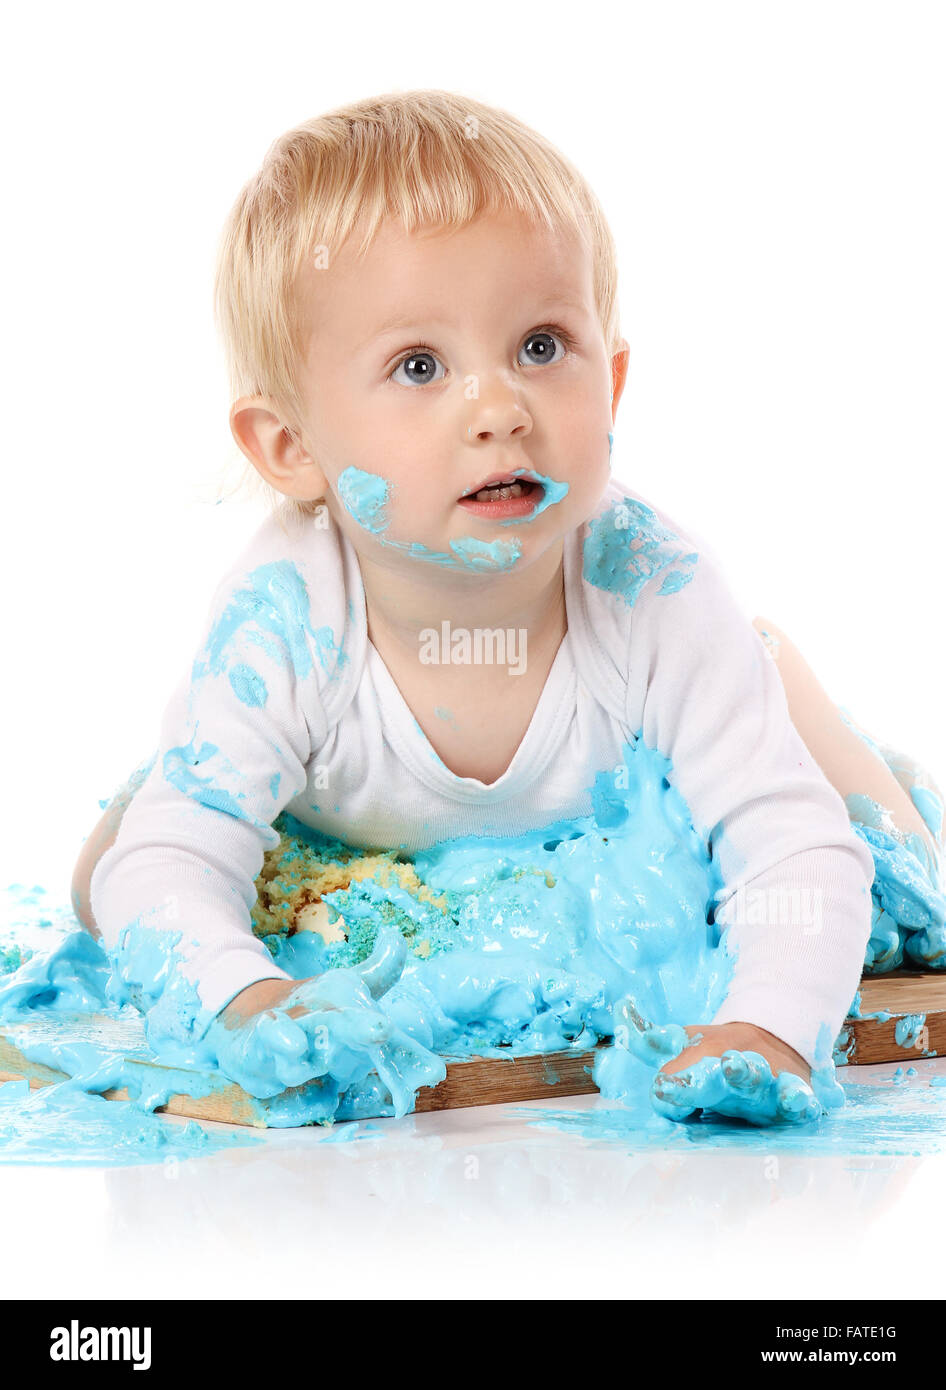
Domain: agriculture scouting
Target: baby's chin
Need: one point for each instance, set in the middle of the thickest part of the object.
(464, 548)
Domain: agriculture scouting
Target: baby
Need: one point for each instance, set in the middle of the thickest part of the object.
(456, 618)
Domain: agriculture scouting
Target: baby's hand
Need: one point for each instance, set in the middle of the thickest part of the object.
(282, 1033)
(735, 1069)
(279, 1034)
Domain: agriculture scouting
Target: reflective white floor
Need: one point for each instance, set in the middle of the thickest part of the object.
(481, 1203)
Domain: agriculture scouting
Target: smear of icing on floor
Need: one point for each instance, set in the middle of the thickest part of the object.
(880, 1118)
(67, 1125)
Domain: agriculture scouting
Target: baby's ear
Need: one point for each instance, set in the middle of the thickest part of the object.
(275, 449)
(619, 361)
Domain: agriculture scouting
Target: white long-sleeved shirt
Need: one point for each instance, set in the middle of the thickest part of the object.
(289, 706)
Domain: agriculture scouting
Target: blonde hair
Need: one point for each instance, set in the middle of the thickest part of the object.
(431, 158)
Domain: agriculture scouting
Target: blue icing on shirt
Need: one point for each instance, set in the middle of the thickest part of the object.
(249, 686)
(178, 766)
(274, 603)
(628, 547)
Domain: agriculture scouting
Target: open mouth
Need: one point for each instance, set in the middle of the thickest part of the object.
(502, 496)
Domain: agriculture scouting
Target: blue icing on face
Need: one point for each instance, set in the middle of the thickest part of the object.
(273, 604)
(467, 553)
(553, 492)
(486, 555)
(364, 496)
(627, 547)
(274, 785)
(248, 685)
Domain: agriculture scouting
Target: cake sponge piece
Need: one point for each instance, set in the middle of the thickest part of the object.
(304, 867)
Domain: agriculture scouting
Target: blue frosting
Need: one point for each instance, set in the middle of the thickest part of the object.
(587, 931)
(908, 910)
(542, 936)
(365, 495)
(248, 685)
(270, 611)
(628, 547)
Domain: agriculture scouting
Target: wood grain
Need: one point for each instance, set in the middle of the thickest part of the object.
(477, 1080)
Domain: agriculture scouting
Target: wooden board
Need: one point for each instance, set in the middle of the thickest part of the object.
(901, 992)
(479, 1080)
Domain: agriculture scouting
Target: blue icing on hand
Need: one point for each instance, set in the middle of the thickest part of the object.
(739, 1084)
(627, 547)
(364, 496)
(249, 686)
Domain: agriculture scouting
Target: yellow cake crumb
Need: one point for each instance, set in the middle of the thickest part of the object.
(292, 883)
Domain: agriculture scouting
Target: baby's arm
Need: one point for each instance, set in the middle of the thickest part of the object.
(235, 741)
(710, 698)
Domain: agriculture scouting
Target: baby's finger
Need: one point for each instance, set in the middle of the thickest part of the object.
(359, 1028)
(795, 1100)
(676, 1095)
(646, 1041)
(285, 1043)
(746, 1072)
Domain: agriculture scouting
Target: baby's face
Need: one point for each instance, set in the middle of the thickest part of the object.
(445, 363)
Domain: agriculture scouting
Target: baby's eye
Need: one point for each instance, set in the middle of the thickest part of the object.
(420, 366)
(541, 347)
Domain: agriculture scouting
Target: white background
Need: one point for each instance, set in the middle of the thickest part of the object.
(773, 174)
